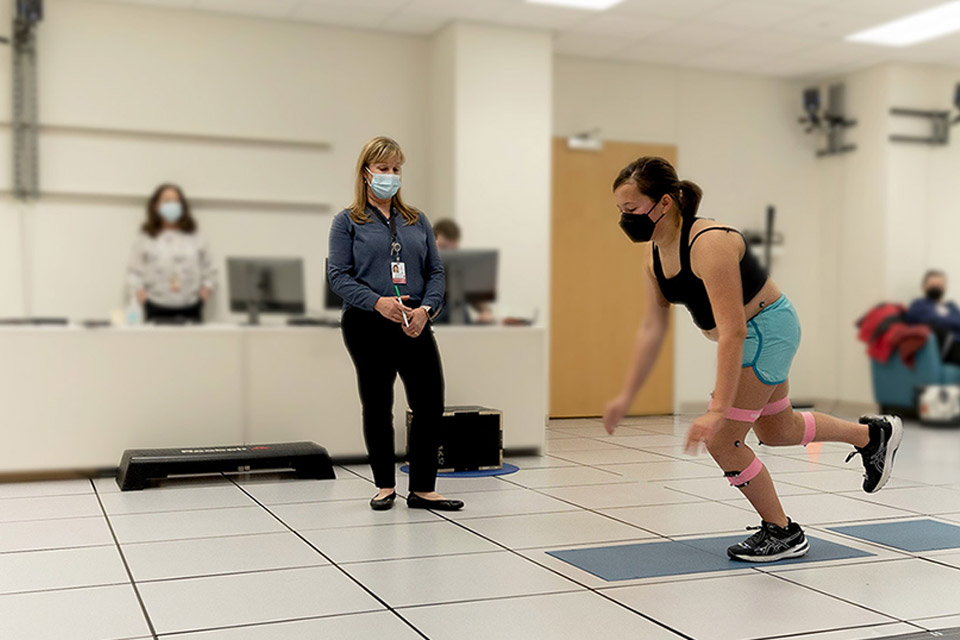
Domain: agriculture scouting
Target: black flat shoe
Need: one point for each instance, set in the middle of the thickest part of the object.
(416, 502)
(383, 504)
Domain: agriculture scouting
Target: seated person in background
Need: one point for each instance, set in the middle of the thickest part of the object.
(171, 272)
(447, 233)
(943, 318)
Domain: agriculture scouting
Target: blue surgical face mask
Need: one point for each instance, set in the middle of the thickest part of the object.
(384, 185)
(170, 211)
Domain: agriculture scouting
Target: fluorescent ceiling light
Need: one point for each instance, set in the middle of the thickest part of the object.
(593, 5)
(914, 28)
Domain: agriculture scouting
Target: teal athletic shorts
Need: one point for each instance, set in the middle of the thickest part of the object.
(773, 336)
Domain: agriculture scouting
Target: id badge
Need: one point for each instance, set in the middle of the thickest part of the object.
(398, 272)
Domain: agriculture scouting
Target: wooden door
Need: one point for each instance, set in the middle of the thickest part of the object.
(598, 287)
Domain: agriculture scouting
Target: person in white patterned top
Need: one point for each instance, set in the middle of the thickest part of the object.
(171, 272)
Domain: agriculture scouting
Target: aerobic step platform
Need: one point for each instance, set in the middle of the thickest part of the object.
(140, 466)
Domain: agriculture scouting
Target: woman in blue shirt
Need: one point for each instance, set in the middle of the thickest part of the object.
(384, 263)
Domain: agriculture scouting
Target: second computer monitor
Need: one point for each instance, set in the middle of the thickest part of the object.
(471, 276)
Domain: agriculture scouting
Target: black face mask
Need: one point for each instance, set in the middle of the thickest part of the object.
(935, 294)
(639, 227)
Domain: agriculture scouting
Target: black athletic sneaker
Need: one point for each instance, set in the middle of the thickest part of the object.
(877, 457)
(771, 543)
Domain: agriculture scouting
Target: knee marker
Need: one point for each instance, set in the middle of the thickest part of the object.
(742, 478)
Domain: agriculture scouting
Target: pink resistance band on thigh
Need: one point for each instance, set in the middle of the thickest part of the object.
(740, 415)
(775, 407)
(748, 474)
(809, 428)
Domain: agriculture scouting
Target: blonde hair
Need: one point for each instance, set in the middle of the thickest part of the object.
(379, 149)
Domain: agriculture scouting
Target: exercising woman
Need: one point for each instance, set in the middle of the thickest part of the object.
(708, 268)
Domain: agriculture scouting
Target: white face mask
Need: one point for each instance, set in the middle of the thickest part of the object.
(384, 185)
(170, 211)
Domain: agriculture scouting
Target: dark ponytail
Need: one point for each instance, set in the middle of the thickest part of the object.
(655, 177)
(690, 196)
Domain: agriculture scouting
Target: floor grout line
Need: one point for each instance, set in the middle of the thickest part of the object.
(126, 566)
(349, 576)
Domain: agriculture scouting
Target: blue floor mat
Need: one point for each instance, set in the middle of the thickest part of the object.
(672, 558)
(912, 535)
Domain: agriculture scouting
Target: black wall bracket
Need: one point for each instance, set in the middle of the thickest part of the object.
(939, 126)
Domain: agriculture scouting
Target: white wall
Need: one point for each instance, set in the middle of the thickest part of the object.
(853, 274)
(11, 290)
(501, 151)
(737, 137)
(891, 205)
(927, 204)
(144, 68)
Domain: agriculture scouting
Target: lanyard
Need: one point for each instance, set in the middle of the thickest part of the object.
(395, 246)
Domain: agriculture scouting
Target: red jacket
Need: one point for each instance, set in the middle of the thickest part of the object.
(883, 329)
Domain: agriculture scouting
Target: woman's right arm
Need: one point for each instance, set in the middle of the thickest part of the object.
(650, 334)
(340, 267)
(136, 272)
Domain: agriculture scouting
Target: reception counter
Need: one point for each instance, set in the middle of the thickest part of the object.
(74, 398)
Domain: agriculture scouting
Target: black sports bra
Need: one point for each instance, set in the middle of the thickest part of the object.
(687, 289)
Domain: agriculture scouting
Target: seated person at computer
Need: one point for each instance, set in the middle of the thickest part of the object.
(942, 317)
(447, 233)
(171, 272)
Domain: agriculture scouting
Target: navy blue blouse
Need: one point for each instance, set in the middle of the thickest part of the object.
(359, 261)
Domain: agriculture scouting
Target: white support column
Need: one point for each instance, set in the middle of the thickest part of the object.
(491, 123)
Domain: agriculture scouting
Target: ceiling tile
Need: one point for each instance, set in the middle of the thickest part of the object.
(458, 9)
(624, 25)
(540, 16)
(751, 14)
(701, 34)
(668, 8)
(886, 9)
(385, 5)
(829, 25)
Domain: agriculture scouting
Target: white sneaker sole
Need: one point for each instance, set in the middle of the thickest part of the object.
(795, 552)
(893, 444)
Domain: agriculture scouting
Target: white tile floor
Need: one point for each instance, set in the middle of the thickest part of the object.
(269, 557)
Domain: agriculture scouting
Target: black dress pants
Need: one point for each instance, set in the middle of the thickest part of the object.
(154, 312)
(380, 350)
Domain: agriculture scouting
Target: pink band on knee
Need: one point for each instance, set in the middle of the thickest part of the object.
(809, 428)
(747, 474)
(775, 407)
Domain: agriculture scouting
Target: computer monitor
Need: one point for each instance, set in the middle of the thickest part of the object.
(266, 285)
(471, 276)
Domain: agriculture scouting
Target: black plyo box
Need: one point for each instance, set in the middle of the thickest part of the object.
(471, 439)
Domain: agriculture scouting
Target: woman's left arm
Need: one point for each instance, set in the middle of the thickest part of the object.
(208, 272)
(434, 277)
(715, 259)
